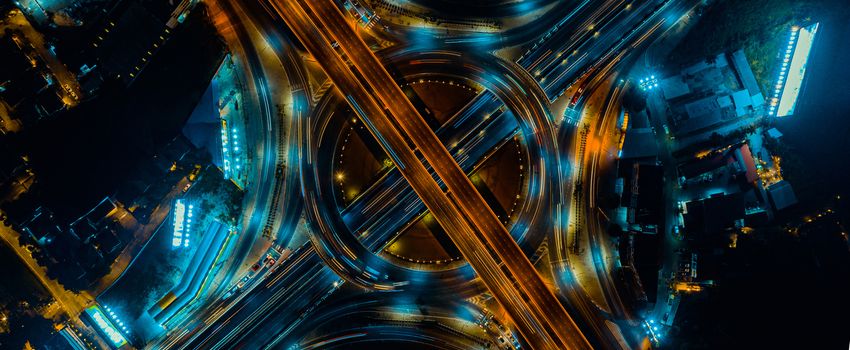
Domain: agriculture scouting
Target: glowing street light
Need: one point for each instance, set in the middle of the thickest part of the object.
(182, 223)
(648, 83)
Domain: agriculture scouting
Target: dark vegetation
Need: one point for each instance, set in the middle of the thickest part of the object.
(759, 27)
(84, 154)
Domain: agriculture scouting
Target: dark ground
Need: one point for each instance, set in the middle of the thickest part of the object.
(84, 154)
(783, 293)
(18, 299)
(781, 290)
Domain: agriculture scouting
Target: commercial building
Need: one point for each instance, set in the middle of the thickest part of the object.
(793, 71)
(714, 92)
(42, 226)
(781, 195)
(641, 196)
(125, 40)
(26, 85)
(639, 140)
(735, 162)
(707, 218)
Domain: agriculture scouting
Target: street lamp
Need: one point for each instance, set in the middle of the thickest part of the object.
(648, 83)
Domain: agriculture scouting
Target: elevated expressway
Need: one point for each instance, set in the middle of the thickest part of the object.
(234, 326)
(635, 24)
(232, 321)
(363, 228)
(375, 320)
(461, 211)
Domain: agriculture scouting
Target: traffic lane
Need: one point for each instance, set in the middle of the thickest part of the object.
(566, 34)
(554, 19)
(259, 201)
(595, 228)
(672, 10)
(431, 196)
(583, 305)
(458, 128)
(381, 335)
(287, 56)
(576, 300)
(258, 300)
(665, 11)
(389, 216)
(289, 310)
(519, 230)
(388, 135)
(569, 41)
(515, 91)
(507, 250)
(579, 302)
(491, 9)
(368, 108)
(516, 256)
(637, 19)
(243, 304)
(592, 48)
(391, 195)
(460, 135)
(386, 309)
(394, 100)
(557, 17)
(544, 117)
(383, 85)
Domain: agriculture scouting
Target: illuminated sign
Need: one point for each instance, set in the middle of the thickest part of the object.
(793, 70)
(188, 226)
(230, 150)
(106, 327)
(179, 216)
(182, 223)
(225, 151)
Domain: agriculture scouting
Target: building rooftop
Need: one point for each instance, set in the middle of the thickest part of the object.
(703, 113)
(134, 32)
(745, 158)
(650, 183)
(714, 214)
(674, 87)
(42, 225)
(711, 92)
(639, 143)
(782, 195)
(743, 102)
(640, 193)
(745, 73)
(646, 258)
(718, 61)
(698, 167)
(772, 132)
(13, 61)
